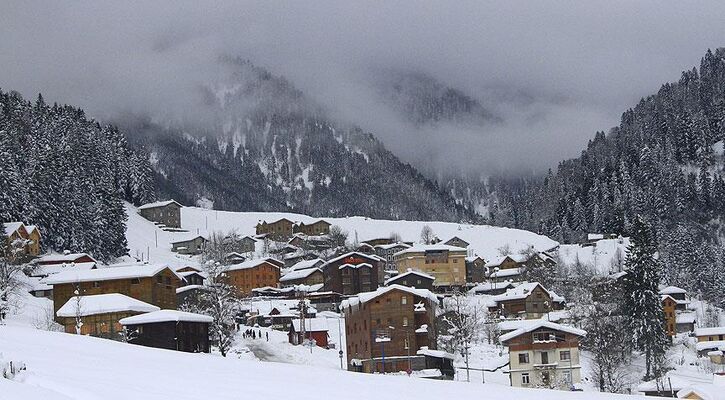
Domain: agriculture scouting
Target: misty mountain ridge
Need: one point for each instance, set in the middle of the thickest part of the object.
(271, 148)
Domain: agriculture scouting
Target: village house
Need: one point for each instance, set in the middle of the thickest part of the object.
(190, 246)
(190, 295)
(492, 288)
(412, 279)
(704, 391)
(352, 273)
(387, 252)
(169, 329)
(316, 228)
(365, 248)
(32, 245)
(282, 228)
(677, 294)
(153, 284)
(191, 278)
(100, 314)
(475, 269)
(668, 308)
(457, 242)
(315, 330)
(42, 271)
(41, 289)
(307, 276)
(543, 353)
(446, 263)
(17, 239)
(710, 342)
(166, 214)
(386, 328)
(509, 267)
(65, 258)
(234, 258)
(379, 241)
(529, 300)
(245, 244)
(253, 274)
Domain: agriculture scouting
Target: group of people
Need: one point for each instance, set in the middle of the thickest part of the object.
(251, 333)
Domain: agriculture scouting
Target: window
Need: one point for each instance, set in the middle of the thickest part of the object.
(159, 278)
(407, 344)
(404, 300)
(96, 284)
(418, 282)
(565, 355)
(523, 358)
(135, 281)
(455, 261)
(525, 378)
(544, 357)
(405, 321)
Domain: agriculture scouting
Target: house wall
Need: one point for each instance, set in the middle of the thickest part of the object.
(194, 246)
(668, 308)
(535, 368)
(415, 281)
(314, 229)
(99, 325)
(353, 280)
(33, 249)
(315, 278)
(363, 322)
(192, 337)
(280, 228)
(149, 290)
(264, 274)
(450, 271)
(169, 215)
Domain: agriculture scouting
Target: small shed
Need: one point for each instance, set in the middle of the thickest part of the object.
(100, 314)
(315, 328)
(194, 245)
(170, 329)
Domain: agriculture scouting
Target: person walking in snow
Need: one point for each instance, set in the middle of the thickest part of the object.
(267, 334)
(254, 335)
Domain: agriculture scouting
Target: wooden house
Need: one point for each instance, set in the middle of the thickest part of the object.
(386, 328)
(379, 241)
(668, 308)
(316, 228)
(308, 276)
(710, 340)
(352, 273)
(492, 288)
(412, 279)
(32, 247)
(544, 354)
(65, 258)
(192, 278)
(677, 294)
(253, 274)
(100, 314)
(282, 228)
(153, 284)
(475, 269)
(315, 330)
(234, 258)
(457, 242)
(446, 263)
(528, 300)
(170, 329)
(166, 214)
(190, 246)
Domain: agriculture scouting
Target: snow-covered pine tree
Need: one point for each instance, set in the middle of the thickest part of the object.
(641, 303)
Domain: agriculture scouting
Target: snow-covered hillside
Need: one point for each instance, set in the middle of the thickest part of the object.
(485, 240)
(63, 366)
(605, 256)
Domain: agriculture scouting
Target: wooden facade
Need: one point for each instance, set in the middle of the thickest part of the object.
(475, 269)
(352, 273)
(282, 228)
(457, 242)
(397, 314)
(317, 228)
(412, 279)
(167, 213)
(187, 336)
(104, 325)
(668, 307)
(159, 289)
(528, 300)
(446, 263)
(190, 246)
(254, 274)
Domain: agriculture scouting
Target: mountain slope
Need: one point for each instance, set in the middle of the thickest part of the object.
(271, 148)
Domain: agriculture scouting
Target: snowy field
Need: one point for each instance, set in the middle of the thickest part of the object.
(604, 257)
(64, 366)
(145, 238)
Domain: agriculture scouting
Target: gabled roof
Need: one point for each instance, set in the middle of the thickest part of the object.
(159, 204)
(407, 273)
(367, 296)
(165, 316)
(361, 265)
(253, 263)
(61, 258)
(353, 253)
(538, 323)
(305, 264)
(391, 245)
(107, 274)
(523, 291)
(673, 290)
(279, 220)
(11, 227)
(456, 238)
(45, 270)
(299, 274)
(102, 304)
(311, 325)
(31, 228)
(189, 239)
(517, 258)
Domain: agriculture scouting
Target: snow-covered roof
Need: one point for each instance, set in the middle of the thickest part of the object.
(654, 385)
(159, 204)
(717, 330)
(103, 304)
(704, 391)
(714, 344)
(189, 287)
(165, 316)
(354, 253)
(106, 274)
(304, 264)
(595, 236)
(422, 248)
(31, 228)
(367, 296)
(523, 291)
(45, 270)
(489, 286)
(409, 272)
(392, 245)
(496, 261)
(425, 351)
(505, 273)
(540, 323)
(11, 227)
(251, 264)
(673, 290)
(311, 325)
(60, 258)
(299, 274)
(366, 265)
(188, 239)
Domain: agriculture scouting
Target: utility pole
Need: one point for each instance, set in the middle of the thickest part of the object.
(468, 369)
(339, 341)
(156, 238)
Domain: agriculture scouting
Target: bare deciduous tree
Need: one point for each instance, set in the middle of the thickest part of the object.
(427, 236)
(10, 275)
(220, 301)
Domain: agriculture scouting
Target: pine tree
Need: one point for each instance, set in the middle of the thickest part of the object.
(641, 303)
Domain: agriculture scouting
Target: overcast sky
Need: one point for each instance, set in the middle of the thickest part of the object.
(555, 72)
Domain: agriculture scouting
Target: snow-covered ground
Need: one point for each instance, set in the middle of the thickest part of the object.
(605, 256)
(65, 366)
